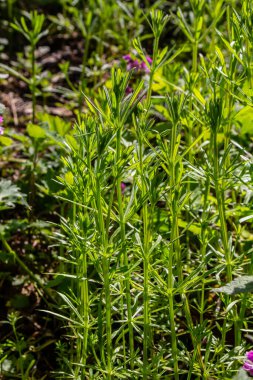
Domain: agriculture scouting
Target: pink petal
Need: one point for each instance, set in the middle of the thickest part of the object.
(127, 57)
(248, 366)
(129, 90)
(149, 59)
(123, 187)
(249, 356)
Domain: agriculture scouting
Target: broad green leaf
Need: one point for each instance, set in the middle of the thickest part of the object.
(162, 110)
(71, 141)
(19, 301)
(199, 96)
(247, 89)
(194, 228)
(55, 282)
(35, 131)
(69, 178)
(55, 123)
(245, 118)
(243, 284)
(199, 29)
(6, 141)
(10, 195)
(221, 58)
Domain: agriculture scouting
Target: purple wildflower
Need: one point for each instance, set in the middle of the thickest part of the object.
(248, 367)
(127, 57)
(123, 187)
(1, 130)
(144, 67)
(149, 60)
(249, 356)
(129, 90)
(131, 63)
(135, 64)
(1, 119)
(248, 364)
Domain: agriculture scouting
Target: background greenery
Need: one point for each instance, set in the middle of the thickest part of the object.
(126, 189)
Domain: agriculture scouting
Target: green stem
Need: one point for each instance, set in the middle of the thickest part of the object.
(172, 317)
(218, 181)
(85, 311)
(146, 316)
(145, 219)
(204, 242)
(152, 72)
(195, 57)
(23, 377)
(105, 268)
(175, 246)
(32, 195)
(84, 285)
(33, 87)
(124, 251)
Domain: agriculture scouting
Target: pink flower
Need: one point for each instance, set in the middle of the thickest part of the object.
(248, 364)
(129, 90)
(127, 57)
(1, 119)
(135, 64)
(248, 367)
(145, 67)
(249, 356)
(149, 59)
(123, 187)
